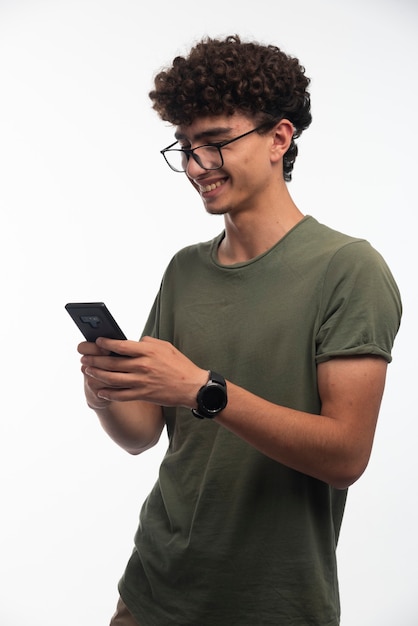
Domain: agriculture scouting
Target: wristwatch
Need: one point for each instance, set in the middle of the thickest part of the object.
(212, 397)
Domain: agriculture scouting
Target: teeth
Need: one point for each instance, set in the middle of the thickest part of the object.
(212, 186)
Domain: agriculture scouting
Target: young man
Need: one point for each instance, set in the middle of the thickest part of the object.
(264, 357)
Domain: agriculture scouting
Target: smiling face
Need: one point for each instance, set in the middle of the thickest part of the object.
(250, 165)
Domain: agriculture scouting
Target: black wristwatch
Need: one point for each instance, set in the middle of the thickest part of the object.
(212, 397)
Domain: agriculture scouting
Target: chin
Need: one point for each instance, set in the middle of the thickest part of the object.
(217, 210)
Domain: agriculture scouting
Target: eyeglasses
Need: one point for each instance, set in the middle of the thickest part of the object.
(208, 156)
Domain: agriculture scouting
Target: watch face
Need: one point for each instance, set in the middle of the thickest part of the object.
(213, 398)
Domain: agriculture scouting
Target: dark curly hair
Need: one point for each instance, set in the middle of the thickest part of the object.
(221, 77)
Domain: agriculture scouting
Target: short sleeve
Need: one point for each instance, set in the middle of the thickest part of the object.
(360, 306)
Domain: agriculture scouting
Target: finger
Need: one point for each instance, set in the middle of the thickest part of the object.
(124, 347)
(148, 339)
(117, 394)
(89, 347)
(109, 363)
(109, 378)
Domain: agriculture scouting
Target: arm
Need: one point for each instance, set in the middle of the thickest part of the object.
(136, 426)
(334, 446)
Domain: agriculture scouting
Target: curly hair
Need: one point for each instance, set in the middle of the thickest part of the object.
(221, 77)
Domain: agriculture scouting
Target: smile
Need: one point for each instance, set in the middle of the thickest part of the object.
(211, 186)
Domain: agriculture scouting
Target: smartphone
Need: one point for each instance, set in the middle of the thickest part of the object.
(94, 320)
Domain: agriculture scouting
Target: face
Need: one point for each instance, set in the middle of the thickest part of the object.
(246, 174)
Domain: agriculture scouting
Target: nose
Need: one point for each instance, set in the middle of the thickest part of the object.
(193, 169)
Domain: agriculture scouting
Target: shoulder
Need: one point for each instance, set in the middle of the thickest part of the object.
(329, 239)
(338, 250)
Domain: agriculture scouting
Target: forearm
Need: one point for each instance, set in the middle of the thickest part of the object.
(317, 445)
(135, 426)
(334, 446)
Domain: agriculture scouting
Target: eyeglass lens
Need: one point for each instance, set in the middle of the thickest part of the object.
(208, 157)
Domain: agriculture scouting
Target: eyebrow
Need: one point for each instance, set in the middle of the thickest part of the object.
(206, 134)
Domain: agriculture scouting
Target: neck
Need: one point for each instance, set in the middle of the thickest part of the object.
(249, 234)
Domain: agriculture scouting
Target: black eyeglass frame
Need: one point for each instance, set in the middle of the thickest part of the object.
(190, 152)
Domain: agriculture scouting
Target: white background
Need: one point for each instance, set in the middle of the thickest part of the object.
(89, 211)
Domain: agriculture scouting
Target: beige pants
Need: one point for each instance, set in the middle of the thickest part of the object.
(122, 617)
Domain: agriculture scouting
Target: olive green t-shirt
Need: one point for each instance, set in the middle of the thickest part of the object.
(228, 536)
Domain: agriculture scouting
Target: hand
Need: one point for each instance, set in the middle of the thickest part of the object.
(92, 386)
(151, 370)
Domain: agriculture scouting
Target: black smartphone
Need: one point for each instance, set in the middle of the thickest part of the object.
(94, 320)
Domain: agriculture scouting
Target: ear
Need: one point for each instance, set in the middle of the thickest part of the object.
(282, 135)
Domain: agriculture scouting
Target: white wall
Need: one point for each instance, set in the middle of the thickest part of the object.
(89, 211)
